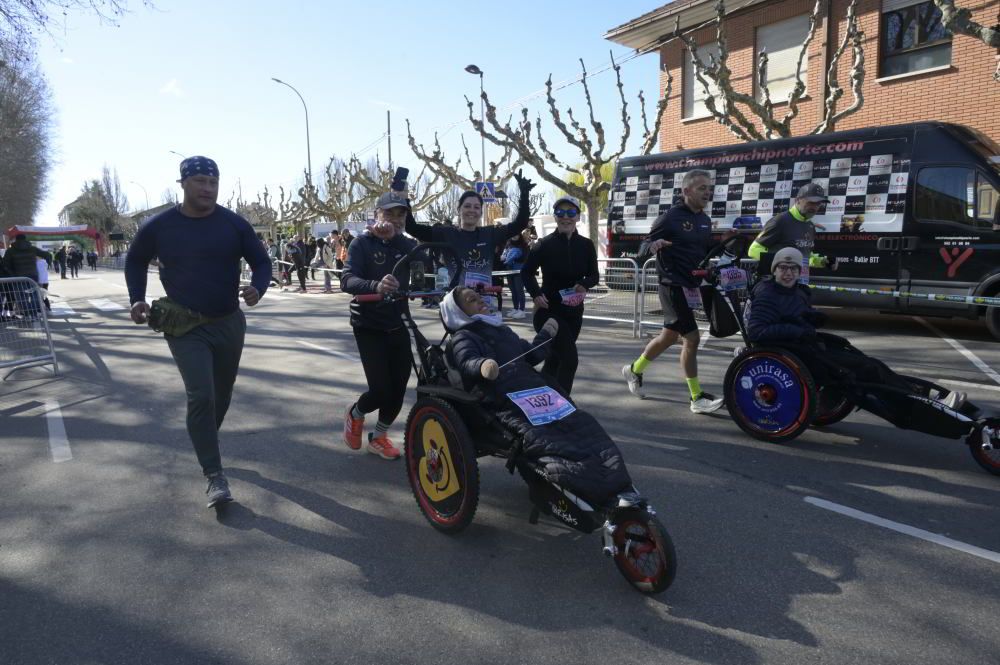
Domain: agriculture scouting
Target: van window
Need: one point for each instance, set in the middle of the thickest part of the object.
(945, 194)
(987, 200)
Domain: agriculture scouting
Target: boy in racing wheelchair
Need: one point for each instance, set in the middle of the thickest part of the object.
(569, 444)
(780, 314)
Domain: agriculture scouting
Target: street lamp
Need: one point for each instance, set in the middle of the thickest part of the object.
(143, 191)
(476, 71)
(174, 152)
(306, 109)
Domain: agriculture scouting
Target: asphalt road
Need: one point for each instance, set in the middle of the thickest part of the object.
(111, 556)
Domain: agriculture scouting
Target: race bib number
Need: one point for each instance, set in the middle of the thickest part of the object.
(571, 297)
(733, 279)
(541, 405)
(693, 297)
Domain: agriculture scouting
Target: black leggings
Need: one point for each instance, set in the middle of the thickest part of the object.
(386, 359)
(563, 359)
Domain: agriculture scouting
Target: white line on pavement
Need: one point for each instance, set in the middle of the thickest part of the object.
(271, 296)
(108, 281)
(62, 309)
(345, 356)
(58, 443)
(969, 355)
(106, 305)
(906, 529)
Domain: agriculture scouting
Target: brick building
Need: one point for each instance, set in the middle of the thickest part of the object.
(915, 70)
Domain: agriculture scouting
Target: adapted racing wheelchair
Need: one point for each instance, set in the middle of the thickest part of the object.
(773, 396)
(449, 428)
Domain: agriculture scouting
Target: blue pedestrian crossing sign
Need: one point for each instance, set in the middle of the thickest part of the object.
(488, 191)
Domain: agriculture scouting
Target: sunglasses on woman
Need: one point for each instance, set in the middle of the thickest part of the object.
(566, 212)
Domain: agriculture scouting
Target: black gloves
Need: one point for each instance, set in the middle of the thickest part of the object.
(523, 184)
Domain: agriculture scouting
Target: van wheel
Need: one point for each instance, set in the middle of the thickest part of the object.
(993, 320)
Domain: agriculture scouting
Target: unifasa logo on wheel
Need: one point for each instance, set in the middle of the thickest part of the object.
(768, 369)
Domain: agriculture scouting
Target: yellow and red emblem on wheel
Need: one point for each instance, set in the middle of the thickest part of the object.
(436, 470)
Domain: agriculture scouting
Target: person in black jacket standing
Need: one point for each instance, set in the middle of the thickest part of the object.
(569, 269)
(680, 239)
(383, 341)
(474, 243)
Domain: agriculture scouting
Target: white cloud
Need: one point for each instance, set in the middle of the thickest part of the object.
(171, 88)
(67, 60)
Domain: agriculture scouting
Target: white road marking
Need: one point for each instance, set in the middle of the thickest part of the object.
(62, 309)
(906, 529)
(968, 384)
(58, 443)
(108, 281)
(345, 356)
(272, 296)
(969, 355)
(106, 305)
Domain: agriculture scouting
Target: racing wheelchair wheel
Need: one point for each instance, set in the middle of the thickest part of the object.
(832, 406)
(644, 552)
(770, 394)
(989, 459)
(441, 465)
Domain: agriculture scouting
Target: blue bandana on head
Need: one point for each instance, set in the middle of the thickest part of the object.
(199, 165)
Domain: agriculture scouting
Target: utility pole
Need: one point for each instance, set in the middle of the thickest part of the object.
(388, 132)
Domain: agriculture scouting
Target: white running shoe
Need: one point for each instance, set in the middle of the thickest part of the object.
(634, 381)
(954, 400)
(705, 403)
(518, 314)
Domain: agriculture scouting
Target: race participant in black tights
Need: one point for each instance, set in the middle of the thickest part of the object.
(569, 269)
(383, 341)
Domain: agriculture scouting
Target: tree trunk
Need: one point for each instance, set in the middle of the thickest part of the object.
(593, 207)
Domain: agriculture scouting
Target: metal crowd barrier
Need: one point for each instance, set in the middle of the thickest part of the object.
(616, 296)
(25, 339)
(649, 299)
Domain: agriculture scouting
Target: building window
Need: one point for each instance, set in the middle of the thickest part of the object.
(913, 37)
(782, 42)
(694, 91)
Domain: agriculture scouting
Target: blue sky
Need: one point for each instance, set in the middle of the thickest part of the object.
(195, 77)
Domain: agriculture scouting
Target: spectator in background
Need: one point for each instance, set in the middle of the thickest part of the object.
(20, 258)
(311, 256)
(92, 260)
(513, 258)
(61, 260)
(75, 260)
(295, 254)
(325, 260)
(42, 266)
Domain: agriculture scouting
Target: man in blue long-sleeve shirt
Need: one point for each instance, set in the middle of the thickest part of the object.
(199, 246)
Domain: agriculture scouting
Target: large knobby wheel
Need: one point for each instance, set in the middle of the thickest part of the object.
(645, 553)
(770, 394)
(441, 465)
(832, 406)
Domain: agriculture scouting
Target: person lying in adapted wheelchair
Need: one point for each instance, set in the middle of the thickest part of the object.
(770, 390)
(568, 444)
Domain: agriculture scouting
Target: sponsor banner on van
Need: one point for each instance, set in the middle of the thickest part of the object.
(865, 182)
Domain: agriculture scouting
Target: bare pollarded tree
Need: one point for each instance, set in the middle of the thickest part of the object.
(959, 22)
(499, 172)
(25, 138)
(339, 198)
(750, 118)
(590, 142)
(373, 180)
(21, 20)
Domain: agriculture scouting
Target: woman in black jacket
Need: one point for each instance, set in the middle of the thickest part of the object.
(383, 341)
(570, 444)
(474, 243)
(569, 269)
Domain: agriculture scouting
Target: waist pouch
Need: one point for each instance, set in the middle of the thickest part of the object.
(172, 318)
